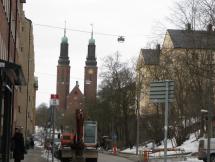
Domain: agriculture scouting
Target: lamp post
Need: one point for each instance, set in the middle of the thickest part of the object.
(138, 112)
(209, 124)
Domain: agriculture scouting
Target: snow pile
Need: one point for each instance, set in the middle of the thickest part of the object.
(189, 146)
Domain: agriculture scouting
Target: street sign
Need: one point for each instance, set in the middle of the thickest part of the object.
(54, 101)
(158, 91)
(163, 92)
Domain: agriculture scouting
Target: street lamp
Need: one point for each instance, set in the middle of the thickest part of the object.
(121, 39)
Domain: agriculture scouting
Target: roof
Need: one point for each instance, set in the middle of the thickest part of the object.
(76, 92)
(64, 39)
(190, 39)
(150, 56)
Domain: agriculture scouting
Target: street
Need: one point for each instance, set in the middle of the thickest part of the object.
(111, 158)
(35, 155)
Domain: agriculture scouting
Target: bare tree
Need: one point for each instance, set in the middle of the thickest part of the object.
(118, 92)
(199, 13)
(42, 115)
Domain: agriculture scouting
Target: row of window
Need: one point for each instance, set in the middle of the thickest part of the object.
(6, 4)
(3, 49)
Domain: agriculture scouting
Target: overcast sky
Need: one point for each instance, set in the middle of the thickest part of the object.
(140, 21)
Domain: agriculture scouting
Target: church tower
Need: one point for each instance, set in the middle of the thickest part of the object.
(63, 73)
(90, 74)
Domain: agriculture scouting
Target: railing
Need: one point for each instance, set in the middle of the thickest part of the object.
(158, 154)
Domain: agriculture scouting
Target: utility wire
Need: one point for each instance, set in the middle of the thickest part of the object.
(76, 30)
(97, 33)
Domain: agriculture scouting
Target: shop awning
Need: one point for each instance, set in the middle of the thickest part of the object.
(13, 72)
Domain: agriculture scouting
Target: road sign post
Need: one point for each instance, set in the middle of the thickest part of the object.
(163, 92)
(54, 101)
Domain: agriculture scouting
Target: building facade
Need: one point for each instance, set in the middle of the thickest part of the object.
(181, 49)
(70, 101)
(63, 73)
(90, 74)
(17, 82)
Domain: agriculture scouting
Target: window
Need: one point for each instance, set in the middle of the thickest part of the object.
(6, 4)
(19, 109)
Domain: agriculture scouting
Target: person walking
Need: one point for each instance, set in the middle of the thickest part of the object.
(32, 142)
(18, 145)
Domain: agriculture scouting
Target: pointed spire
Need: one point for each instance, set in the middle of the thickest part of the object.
(92, 40)
(64, 38)
(65, 29)
(92, 31)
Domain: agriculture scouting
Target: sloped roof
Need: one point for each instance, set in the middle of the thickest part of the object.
(190, 39)
(150, 56)
(76, 91)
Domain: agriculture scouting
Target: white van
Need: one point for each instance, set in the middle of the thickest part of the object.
(202, 153)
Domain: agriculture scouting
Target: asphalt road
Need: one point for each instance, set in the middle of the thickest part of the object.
(111, 158)
(36, 155)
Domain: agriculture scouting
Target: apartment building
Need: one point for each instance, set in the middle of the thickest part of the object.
(17, 82)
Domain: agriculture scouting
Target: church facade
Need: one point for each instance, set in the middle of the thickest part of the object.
(69, 101)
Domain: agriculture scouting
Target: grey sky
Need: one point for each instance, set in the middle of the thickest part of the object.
(138, 20)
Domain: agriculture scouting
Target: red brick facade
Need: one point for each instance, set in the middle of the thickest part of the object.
(63, 79)
(75, 100)
(90, 86)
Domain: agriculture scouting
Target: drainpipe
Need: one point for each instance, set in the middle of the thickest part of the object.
(29, 45)
(14, 60)
(9, 31)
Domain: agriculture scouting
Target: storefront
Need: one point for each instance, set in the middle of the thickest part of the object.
(11, 75)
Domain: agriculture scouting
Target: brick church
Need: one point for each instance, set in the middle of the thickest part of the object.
(75, 99)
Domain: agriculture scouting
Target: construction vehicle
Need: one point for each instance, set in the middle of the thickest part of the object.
(83, 146)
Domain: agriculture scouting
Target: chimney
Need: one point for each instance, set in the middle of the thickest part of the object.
(77, 85)
(209, 27)
(188, 26)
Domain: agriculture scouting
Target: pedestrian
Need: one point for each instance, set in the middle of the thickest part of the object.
(18, 145)
(32, 142)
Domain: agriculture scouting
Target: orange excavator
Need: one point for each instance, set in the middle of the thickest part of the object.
(81, 146)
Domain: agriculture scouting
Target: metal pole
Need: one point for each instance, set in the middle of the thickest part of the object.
(138, 124)
(138, 113)
(209, 108)
(166, 121)
(53, 131)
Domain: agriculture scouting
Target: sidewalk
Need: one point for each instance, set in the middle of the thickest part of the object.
(33, 155)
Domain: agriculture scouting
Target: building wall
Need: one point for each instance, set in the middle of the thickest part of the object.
(24, 109)
(63, 81)
(75, 100)
(90, 84)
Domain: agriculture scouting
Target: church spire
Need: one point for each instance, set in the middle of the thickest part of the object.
(64, 58)
(65, 29)
(64, 38)
(92, 40)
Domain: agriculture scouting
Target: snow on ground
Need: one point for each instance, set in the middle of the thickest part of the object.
(189, 146)
(47, 155)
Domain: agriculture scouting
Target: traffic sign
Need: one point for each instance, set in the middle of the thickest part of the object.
(159, 91)
(163, 92)
(54, 101)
